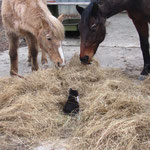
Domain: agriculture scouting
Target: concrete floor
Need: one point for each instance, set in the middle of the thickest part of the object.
(120, 49)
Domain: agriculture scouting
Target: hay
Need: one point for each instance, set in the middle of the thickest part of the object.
(115, 110)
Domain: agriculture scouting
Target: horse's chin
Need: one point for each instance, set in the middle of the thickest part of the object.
(88, 63)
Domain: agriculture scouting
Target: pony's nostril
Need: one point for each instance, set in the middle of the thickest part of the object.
(58, 64)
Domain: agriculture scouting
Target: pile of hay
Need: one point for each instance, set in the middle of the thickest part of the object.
(114, 115)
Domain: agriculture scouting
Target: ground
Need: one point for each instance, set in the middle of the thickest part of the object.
(120, 49)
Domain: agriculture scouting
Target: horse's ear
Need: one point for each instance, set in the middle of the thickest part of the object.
(95, 9)
(61, 18)
(79, 9)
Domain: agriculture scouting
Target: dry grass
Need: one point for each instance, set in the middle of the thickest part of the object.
(115, 110)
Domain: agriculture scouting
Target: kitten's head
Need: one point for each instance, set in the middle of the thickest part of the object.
(73, 92)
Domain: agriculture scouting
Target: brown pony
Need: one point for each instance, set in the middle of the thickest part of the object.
(93, 31)
(32, 20)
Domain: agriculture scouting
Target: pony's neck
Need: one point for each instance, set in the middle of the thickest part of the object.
(111, 7)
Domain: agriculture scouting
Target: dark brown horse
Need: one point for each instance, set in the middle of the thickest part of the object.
(92, 25)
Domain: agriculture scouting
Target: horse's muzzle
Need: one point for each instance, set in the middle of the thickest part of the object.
(85, 60)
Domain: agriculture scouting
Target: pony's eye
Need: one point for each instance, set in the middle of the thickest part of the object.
(49, 39)
(93, 28)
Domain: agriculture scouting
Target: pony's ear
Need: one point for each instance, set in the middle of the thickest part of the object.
(61, 18)
(95, 9)
(79, 9)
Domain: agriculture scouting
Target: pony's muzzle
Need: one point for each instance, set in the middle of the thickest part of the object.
(61, 64)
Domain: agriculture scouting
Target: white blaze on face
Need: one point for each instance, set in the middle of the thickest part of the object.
(61, 53)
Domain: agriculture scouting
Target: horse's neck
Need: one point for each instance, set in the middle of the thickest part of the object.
(112, 7)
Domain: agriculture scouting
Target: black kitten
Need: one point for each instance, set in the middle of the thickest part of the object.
(72, 104)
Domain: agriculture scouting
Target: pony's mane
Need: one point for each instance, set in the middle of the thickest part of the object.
(55, 24)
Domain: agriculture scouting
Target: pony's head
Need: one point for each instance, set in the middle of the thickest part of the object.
(50, 38)
(92, 31)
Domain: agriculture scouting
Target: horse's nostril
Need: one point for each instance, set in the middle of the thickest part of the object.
(84, 59)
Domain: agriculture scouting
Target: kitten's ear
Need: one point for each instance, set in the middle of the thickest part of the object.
(70, 90)
(77, 93)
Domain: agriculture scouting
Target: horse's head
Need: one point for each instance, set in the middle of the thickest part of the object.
(50, 38)
(92, 31)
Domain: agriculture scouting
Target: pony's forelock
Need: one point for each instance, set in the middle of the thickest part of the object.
(57, 27)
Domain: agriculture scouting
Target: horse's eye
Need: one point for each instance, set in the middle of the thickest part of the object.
(93, 28)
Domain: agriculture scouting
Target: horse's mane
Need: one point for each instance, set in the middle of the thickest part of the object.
(87, 13)
(88, 10)
(55, 24)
